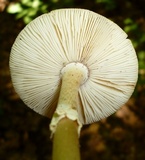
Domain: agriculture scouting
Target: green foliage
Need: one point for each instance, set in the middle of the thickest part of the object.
(27, 9)
(141, 61)
(130, 25)
(108, 4)
(141, 57)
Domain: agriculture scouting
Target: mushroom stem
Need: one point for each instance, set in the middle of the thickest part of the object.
(73, 75)
(71, 81)
(65, 124)
(65, 141)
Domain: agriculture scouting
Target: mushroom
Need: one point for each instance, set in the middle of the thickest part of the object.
(73, 64)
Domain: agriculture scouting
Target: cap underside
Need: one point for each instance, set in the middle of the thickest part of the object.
(58, 38)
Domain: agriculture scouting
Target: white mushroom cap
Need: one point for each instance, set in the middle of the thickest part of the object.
(50, 42)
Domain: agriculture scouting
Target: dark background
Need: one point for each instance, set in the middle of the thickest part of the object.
(25, 135)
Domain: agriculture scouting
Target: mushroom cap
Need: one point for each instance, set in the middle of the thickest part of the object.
(53, 40)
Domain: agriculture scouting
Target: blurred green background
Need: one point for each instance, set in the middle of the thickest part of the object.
(25, 135)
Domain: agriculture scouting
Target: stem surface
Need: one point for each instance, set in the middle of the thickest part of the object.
(65, 124)
(65, 141)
